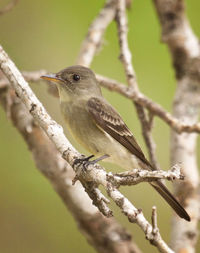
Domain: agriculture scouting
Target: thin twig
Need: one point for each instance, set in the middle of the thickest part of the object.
(154, 221)
(146, 131)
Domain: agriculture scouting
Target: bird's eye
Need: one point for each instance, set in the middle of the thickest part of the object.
(76, 77)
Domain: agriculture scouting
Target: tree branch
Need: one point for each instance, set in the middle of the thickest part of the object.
(136, 176)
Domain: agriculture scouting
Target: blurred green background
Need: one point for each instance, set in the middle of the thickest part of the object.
(47, 34)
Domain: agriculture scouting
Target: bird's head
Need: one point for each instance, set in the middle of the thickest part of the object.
(75, 81)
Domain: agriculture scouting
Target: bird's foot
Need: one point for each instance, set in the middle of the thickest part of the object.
(86, 161)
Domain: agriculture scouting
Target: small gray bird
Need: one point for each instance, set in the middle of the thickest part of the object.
(98, 127)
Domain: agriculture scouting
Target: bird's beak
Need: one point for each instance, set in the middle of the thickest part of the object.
(51, 77)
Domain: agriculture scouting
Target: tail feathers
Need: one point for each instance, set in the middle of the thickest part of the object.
(164, 192)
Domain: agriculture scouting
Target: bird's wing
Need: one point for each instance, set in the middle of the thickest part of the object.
(111, 122)
(107, 118)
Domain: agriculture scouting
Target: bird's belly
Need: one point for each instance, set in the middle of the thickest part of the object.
(84, 131)
(97, 141)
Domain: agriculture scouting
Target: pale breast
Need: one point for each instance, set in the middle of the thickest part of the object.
(81, 126)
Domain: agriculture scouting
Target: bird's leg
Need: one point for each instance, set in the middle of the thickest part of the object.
(86, 160)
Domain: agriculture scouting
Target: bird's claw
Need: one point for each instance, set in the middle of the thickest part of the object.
(83, 161)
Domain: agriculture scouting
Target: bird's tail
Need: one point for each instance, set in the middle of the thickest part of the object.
(164, 192)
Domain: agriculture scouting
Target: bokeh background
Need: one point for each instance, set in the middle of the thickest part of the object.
(47, 34)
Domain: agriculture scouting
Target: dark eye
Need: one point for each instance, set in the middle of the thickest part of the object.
(76, 77)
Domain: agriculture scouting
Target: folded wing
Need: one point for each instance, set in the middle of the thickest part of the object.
(111, 122)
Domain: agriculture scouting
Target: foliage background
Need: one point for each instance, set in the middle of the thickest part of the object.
(47, 35)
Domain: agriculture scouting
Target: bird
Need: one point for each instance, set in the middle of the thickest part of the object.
(98, 127)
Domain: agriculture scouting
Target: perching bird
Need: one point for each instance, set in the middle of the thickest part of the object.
(98, 127)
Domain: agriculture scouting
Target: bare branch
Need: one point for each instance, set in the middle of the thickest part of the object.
(154, 220)
(8, 7)
(30, 76)
(136, 216)
(125, 54)
(146, 131)
(136, 176)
